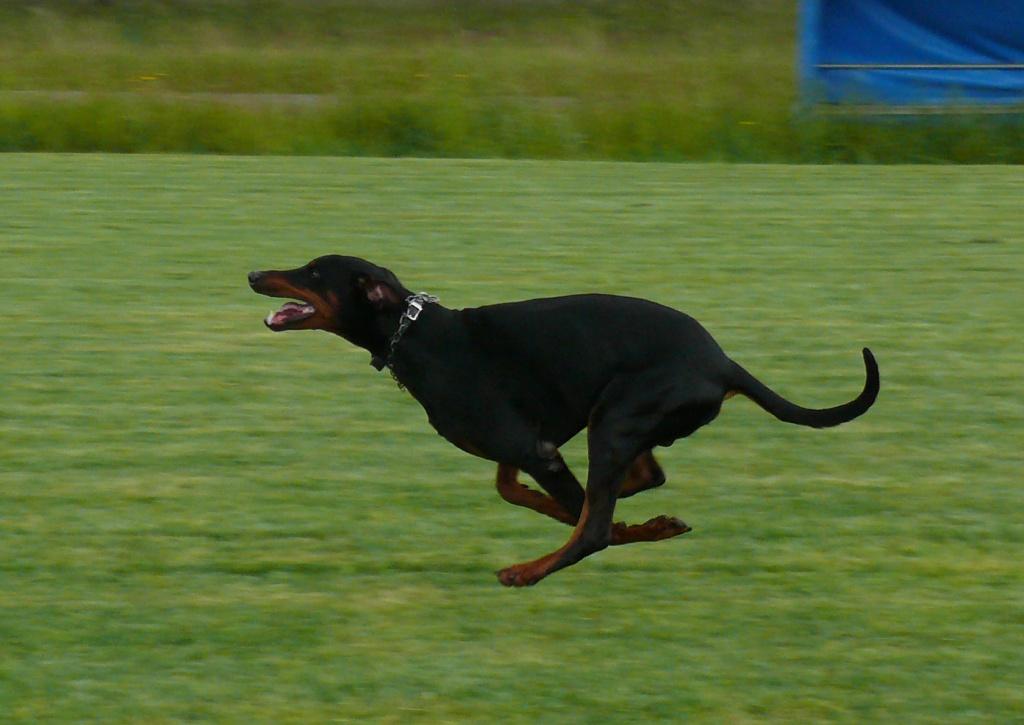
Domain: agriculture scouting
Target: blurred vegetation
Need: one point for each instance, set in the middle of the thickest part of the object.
(693, 80)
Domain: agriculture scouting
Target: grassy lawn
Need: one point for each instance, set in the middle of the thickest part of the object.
(590, 79)
(202, 520)
(694, 80)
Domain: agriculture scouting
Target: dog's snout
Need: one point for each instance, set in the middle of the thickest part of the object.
(255, 277)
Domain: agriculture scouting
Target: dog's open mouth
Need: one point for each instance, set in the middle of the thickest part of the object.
(289, 314)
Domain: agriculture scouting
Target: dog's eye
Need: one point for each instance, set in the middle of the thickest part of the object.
(315, 274)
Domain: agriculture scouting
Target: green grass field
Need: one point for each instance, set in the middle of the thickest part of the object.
(200, 520)
(401, 78)
(548, 79)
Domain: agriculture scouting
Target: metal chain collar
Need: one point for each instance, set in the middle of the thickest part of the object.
(412, 313)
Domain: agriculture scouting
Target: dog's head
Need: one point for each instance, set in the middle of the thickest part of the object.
(344, 295)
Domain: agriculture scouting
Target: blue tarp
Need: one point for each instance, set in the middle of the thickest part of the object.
(912, 52)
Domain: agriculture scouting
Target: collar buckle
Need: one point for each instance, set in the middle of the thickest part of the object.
(412, 313)
(415, 308)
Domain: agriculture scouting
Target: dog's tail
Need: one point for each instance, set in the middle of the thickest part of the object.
(745, 383)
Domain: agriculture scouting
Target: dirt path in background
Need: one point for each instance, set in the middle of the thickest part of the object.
(245, 100)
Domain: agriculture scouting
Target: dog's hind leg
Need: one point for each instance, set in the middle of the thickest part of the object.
(644, 474)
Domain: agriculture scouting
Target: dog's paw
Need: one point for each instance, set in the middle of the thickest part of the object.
(666, 527)
(519, 575)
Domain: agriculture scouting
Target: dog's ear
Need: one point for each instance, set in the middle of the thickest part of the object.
(381, 292)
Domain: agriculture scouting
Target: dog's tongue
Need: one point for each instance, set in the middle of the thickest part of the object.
(290, 312)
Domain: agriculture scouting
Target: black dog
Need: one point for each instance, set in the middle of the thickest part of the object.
(513, 382)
